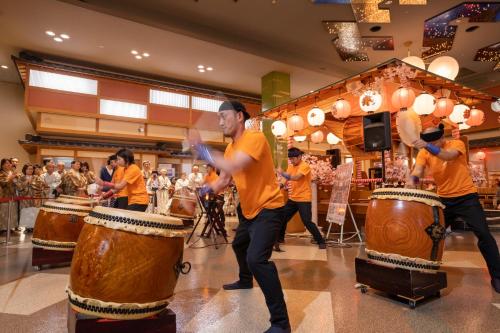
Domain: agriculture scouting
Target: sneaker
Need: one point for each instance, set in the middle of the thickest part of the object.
(495, 283)
(278, 329)
(237, 285)
(322, 246)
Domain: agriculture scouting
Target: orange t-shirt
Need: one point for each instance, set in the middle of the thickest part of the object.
(137, 193)
(210, 178)
(257, 184)
(118, 177)
(452, 178)
(300, 190)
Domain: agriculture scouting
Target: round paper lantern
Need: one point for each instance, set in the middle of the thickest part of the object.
(278, 128)
(403, 98)
(458, 114)
(463, 126)
(495, 106)
(409, 126)
(332, 139)
(481, 155)
(424, 104)
(444, 66)
(444, 107)
(300, 138)
(415, 61)
(317, 137)
(370, 101)
(295, 123)
(316, 117)
(341, 109)
(476, 117)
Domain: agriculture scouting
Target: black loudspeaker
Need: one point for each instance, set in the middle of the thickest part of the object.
(335, 156)
(377, 131)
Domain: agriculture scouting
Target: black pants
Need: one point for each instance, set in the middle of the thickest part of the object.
(469, 209)
(137, 207)
(121, 202)
(304, 209)
(253, 245)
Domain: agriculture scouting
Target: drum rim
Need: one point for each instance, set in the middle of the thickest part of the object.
(53, 245)
(403, 261)
(162, 219)
(65, 208)
(408, 194)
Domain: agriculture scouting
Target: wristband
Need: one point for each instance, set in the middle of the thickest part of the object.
(204, 153)
(205, 190)
(434, 150)
(108, 184)
(415, 179)
(108, 194)
(285, 175)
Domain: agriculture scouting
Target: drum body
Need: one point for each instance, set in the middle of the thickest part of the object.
(70, 199)
(58, 225)
(126, 264)
(183, 206)
(405, 227)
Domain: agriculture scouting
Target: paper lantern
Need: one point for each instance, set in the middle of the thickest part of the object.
(295, 123)
(300, 138)
(444, 66)
(424, 104)
(415, 61)
(495, 106)
(341, 109)
(458, 114)
(278, 128)
(332, 139)
(463, 126)
(403, 98)
(481, 155)
(317, 137)
(476, 117)
(444, 107)
(370, 101)
(316, 117)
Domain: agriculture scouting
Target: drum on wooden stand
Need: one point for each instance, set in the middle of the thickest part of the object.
(183, 206)
(405, 228)
(58, 226)
(126, 264)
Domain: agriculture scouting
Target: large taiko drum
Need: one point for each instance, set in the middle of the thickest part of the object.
(183, 206)
(405, 227)
(126, 263)
(58, 225)
(71, 199)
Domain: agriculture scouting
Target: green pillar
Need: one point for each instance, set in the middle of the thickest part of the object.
(275, 91)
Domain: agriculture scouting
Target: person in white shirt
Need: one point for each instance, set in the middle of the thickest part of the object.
(61, 168)
(182, 183)
(195, 178)
(52, 179)
(162, 193)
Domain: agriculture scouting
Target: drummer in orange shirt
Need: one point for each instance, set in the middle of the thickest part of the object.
(447, 162)
(248, 161)
(211, 175)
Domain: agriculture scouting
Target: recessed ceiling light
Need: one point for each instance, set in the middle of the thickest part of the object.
(134, 52)
(201, 66)
(201, 70)
(210, 69)
(50, 33)
(145, 54)
(58, 39)
(4, 66)
(64, 36)
(138, 57)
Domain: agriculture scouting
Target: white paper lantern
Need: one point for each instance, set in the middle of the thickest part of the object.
(424, 104)
(415, 61)
(278, 128)
(458, 114)
(295, 123)
(300, 138)
(444, 66)
(341, 109)
(317, 137)
(370, 101)
(495, 106)
(316, 117)
(332, 139)
(463, 126)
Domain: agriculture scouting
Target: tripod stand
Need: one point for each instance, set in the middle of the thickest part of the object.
(212, 208)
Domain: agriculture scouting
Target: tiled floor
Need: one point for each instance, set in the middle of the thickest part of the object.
(319, 287)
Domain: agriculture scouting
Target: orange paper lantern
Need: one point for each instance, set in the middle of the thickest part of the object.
(341, 109)
(317, 137)
(476, 117)
(403, 98)
(444, 107)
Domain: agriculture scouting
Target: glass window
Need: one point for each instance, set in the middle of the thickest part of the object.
(62, 82)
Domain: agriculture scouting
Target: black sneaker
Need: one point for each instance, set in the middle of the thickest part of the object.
(322, 246)
(278, 329)
(495, 283)
(237, 285)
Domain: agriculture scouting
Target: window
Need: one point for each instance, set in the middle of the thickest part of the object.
(205, 104)
(168, 98)
(123, 109)
(62, 82)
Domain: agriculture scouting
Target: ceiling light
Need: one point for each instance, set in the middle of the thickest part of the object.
(201, 66)
(58, 39)
(145, 54)
(201, 70)
(134, 52)
(210, 69)
(138, 57)
(64, 36)
(4, 66)
(50, 33)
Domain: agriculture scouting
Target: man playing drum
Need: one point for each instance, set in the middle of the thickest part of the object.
(447, 162)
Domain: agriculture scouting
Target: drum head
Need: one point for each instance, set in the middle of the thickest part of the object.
(407, 194)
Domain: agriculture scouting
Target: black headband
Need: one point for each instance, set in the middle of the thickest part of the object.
(433, 136)
(294, 152)
(236, 106)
